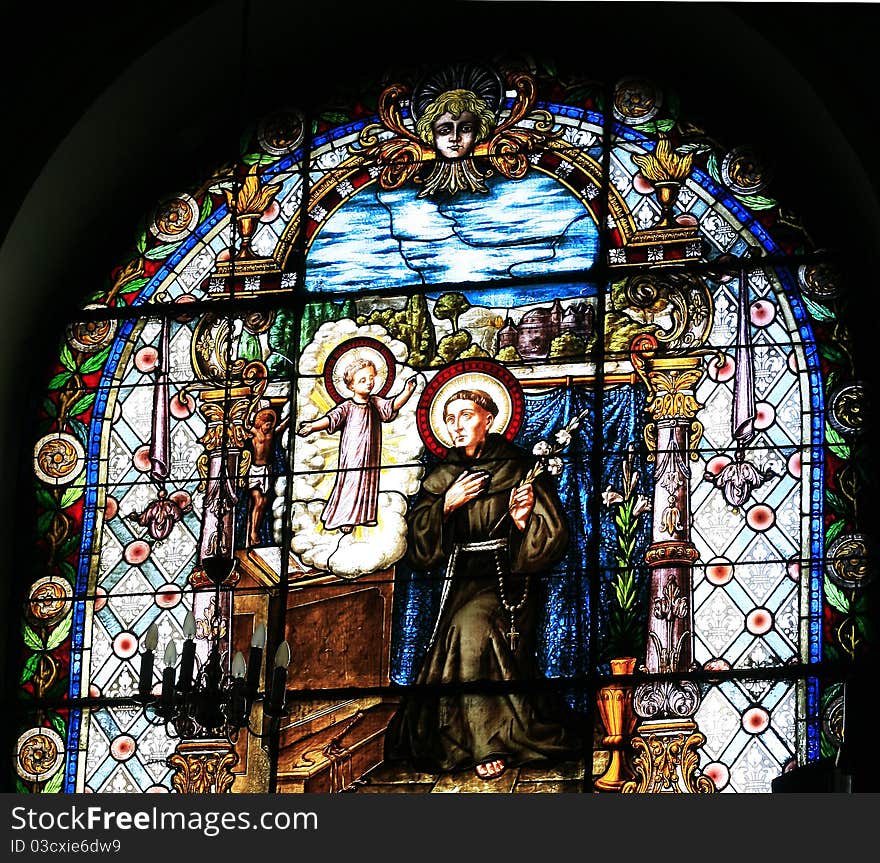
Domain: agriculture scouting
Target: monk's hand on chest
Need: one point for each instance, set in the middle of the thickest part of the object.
(467, 486)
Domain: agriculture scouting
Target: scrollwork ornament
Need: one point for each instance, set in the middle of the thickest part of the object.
(667, 762)
(683, 698)
(90, 337)
(244, 467)
(846, 408)
(673, 394)
(175, 218)
(700, 302)
(675, 308)
(281, 132)
(39, 754)
(642, 290)
(678, 334)
(203, 466)
(401, 160)
(59, 458)
(648, 699)
(697, 430)
(258, 322)
(832, 721)
(49, 600)
(400, 157)
(508, 148)
(225, 425)
(213, 438)
(636, 101)
(642, 348)
(821, 281)
(255, 376)
(846, 561)
(199, 772)
(743, 171)
(649, 433)
(661, 699)
(209, 349)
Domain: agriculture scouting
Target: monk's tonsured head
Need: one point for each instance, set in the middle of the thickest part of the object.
(469, 415)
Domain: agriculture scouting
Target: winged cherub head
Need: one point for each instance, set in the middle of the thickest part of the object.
(454, 122)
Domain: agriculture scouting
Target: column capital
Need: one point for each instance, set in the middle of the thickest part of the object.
(670, 553)
(203, 766)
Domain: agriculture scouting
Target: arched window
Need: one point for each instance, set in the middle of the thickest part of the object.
(490, 388)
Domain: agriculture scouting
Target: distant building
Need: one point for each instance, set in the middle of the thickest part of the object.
(537, 328)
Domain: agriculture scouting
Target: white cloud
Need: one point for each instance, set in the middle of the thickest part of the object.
(366, 549)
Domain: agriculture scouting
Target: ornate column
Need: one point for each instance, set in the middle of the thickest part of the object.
(229, 391)
(203, 766)
(667, 738)
(220, 465)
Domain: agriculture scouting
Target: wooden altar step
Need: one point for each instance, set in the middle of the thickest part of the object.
(329, 759)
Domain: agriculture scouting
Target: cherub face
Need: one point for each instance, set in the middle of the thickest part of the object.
(363, 381)
(454, 136)
(467, 424)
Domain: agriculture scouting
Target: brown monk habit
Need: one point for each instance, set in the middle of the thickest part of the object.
(445, 732)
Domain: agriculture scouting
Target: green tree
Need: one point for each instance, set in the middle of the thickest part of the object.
(473, 350)
(420, 328)
(567, 345)
(450, 307)
(281, 335)
(508, 355)
(449, 347)
(412, 325)
(315, 314)
(381, 317)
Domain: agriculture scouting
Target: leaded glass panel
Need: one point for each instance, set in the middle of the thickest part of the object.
(491, 396)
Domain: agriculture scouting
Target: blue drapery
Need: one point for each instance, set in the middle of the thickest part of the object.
(563, 644)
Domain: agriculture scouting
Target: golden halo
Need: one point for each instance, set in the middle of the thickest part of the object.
(470, 380)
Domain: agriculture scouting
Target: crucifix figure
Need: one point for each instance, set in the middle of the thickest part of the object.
(513, 635)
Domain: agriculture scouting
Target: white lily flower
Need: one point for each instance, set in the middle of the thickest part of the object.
(554, 466)
(563, 437)
(642, 505)
(611, 497)
(541, 448)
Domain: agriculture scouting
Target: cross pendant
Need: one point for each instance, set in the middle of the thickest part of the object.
(513, 635)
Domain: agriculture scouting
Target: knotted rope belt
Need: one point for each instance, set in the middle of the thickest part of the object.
(500, 553)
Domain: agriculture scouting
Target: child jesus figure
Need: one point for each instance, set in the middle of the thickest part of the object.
(355, 494)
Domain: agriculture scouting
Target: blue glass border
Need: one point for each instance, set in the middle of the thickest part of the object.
(817, 499)
(77, 629)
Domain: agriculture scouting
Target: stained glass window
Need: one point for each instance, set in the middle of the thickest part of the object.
(524, 418)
